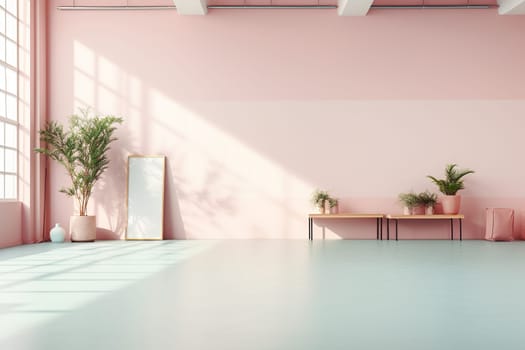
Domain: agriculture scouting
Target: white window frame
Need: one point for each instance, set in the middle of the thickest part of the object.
(4, 120)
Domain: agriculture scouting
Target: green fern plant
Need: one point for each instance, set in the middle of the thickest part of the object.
(427, 199)
(82, 150)
(453, 181)
(409, 200)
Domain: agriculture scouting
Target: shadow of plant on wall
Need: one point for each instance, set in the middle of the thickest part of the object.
(173, 223)
(113, 208)
(201, 207)
(110, 196)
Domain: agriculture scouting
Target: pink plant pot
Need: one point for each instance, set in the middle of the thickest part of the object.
(438, 208)
(451, 204)
(334, 210)
(418, 210)
(83, 228)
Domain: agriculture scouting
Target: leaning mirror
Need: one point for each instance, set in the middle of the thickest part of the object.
(145, 202)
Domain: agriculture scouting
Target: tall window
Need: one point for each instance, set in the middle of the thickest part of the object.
(8, 99)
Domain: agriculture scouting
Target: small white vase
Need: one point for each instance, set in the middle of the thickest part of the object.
(429, 210)
(57, 234)
(407, 211)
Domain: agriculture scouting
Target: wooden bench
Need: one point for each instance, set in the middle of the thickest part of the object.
(396, 218)
(350, 216)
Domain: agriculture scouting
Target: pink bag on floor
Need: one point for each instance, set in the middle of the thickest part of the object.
(500, 224)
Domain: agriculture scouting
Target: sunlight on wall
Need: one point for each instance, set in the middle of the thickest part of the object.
(63, 278)
(100, 83)
(84, 85)
(233, 172)
(225, 187)
(103, 87)
(217, 185)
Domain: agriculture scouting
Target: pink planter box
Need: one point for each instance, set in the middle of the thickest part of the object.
(499, 224)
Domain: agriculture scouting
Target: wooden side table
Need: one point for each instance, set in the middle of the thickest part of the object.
(396, 218)
(350, 216)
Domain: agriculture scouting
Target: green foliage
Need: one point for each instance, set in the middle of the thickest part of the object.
(409, 200)
(332, 202)
(412, 199)
(82, 150)
(453, 181)
(319, 197)
(427, 199)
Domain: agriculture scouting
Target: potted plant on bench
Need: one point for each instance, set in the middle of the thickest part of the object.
(319, 198)
(449, 186)
(409, 201)
(427, 200)
(333, 205)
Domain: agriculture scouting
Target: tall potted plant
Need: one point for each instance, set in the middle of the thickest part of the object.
(82, 150)
(449, 186)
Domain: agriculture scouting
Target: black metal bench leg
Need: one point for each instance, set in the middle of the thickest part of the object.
(451, 229)
(460, 230)
(310, 229)
(396, 229)
(388, 229)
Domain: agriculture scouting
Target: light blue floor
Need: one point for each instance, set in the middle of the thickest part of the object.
(270, 294)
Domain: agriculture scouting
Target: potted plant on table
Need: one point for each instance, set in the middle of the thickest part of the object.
(427, 200)
(82, 150)
(449, 186)
(333, 205)
(409, 201)
(319, 198)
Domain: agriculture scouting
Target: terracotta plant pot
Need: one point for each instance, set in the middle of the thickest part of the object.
(451, 204)
(83, 228)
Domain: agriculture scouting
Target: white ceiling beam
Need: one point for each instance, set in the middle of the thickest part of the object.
(353, 7)
(191, 7)
(511, 7)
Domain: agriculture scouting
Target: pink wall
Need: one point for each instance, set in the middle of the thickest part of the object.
(255, 109)
(10, 223)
